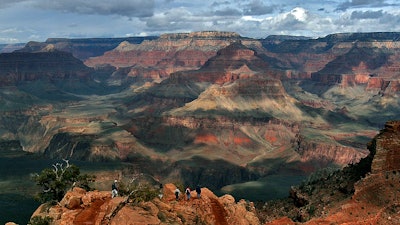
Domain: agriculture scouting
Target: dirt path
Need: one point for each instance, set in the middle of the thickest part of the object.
(219, 212)
(88, 215)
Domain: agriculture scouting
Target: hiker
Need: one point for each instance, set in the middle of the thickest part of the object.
(114, 189)
(177, 192)
(198, 191)
(187, 192)
(161, 191)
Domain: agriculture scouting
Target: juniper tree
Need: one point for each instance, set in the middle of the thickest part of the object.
(57, 180)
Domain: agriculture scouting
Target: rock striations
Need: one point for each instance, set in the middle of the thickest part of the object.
(169, 53)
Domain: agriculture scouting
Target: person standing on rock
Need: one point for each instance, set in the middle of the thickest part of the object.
(187, 192)
(177, 192)
(161, 191)
(198, 191)
(114, 189)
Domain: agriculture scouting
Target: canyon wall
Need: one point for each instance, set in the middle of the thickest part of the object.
(180, 106)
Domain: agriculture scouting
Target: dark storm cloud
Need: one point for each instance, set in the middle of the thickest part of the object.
(217, 4)
(257, 7)
(360, 3)
(129, 8)
(366, 15)
(228, 12)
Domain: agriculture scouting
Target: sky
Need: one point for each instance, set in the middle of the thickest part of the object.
(36, 20)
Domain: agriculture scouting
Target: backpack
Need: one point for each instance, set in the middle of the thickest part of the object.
(187, 191)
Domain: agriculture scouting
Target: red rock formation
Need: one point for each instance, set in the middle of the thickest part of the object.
(386, 146)
(372, 63)
(170, 53)
(321, 155)
(189, 50)
(81, 207)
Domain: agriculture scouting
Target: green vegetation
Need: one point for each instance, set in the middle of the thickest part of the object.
(57, 180)
(137, 193)
(17, 189)
(38, 220)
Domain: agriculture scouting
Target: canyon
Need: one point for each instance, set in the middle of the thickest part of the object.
(210, 108)
(361, 193)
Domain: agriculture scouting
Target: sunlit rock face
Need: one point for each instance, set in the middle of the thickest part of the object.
(169, 53)
(97, 207)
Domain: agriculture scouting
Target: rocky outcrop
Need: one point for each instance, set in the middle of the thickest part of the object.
(97, 207)
(384, 148)
(363, 193)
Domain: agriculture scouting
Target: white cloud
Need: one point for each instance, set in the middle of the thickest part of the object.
(251, 18)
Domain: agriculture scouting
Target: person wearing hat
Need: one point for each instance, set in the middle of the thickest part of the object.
(114, 189)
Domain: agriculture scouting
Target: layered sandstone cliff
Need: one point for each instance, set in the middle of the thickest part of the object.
(367, 63)
(169, 53)
(347, 60)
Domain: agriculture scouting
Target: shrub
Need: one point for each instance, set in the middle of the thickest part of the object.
(311, 210)
(38, 220)
(143, 194)
(182, 218)
(56, 181)
(161, 216)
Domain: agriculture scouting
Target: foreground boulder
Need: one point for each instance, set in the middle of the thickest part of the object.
(97, 207)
